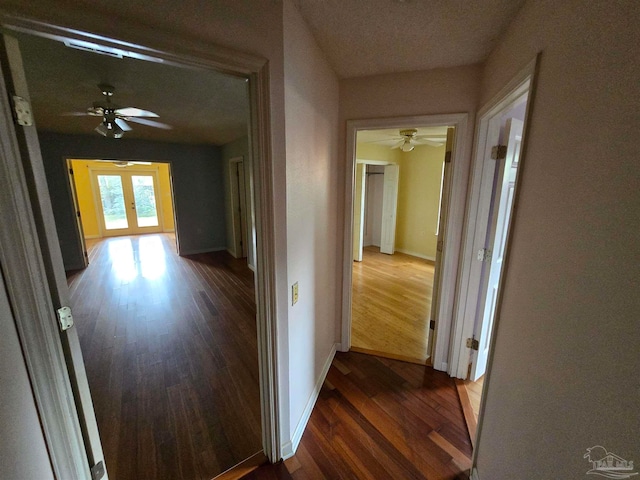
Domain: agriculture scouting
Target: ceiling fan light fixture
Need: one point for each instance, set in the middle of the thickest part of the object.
(110, 129)
(407, 146)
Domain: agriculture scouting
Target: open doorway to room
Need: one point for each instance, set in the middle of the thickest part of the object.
(452, 189)
(168, 336)
(120, 197)
(496, 171)
(397, 199)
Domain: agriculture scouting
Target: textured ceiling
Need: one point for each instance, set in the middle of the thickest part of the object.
(369, 37)
(202, 106)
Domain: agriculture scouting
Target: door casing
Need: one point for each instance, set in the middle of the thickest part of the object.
(459, 175)
(39, 294)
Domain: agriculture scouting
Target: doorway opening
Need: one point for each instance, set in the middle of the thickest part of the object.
(397, 200)
(139, 192)
(495, 175)
(120, 197)
(450, 191)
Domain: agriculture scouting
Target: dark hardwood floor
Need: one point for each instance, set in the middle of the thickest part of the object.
(378, 418)
(169, 345)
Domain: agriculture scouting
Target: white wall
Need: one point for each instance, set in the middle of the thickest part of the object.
(23, 453)
(313, 217)
(564, 375)
(447, 90)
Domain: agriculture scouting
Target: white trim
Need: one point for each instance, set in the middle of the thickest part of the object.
(28, 291)
(475, 226)
(202, 250)
(374, 162)
(416, 254)
(168, 230)
(474, 474)
(53, 394)
(460, 165)
(289, 448)
(90, 237)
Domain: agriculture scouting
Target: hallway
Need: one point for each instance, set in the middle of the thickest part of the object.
(170, 349)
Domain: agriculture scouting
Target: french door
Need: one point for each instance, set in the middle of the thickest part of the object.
(127, 202)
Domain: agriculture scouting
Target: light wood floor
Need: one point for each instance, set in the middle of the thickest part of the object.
(170, 349)
(378, 418)
(391, 305)
(470, 396)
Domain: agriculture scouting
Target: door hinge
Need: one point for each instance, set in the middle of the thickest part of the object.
(484, 255)
(86, 254)
(432, 325)
(71, 171)
(499, 152)
(473, 344)
(78, 213)
(22, 109)
(447, 157)
(97, 471)
(65, 319)
(439, 245)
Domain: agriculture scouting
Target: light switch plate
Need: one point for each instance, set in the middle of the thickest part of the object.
(294, 293)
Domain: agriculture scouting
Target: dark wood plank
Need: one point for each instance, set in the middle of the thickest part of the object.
(381, 418)
(170, 349)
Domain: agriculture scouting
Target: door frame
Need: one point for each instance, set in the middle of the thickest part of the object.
(453, 227)
(238, 222)
(32, 262)
(477, 216)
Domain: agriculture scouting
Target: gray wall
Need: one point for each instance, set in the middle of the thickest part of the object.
(197, 186)
(23, 453)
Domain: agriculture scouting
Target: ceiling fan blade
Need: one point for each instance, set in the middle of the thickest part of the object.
(141, 163)
(398, 145)
(135, 112)
(431, 143)
(75, 114)
(150, 123)
(122, 124)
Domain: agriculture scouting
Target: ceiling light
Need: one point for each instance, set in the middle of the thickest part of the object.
(110, 129)
(407, 146)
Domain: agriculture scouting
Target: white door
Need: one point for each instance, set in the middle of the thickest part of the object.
(442, 221)
(127, 202)
(67, 451)
(358, 211)
(502, 203)
(389, 208)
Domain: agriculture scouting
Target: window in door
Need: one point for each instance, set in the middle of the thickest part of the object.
(127, 203)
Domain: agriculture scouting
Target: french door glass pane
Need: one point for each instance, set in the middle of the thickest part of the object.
(145, 199)
(112, 197)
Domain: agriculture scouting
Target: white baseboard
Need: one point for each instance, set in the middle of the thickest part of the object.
(251, 267)
(202, 250)
(168, 230)
(415, 254)
(90, 237)
(474, 474)
(289, 448)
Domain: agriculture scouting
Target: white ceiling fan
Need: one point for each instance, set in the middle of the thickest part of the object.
(409, 138)
(115, 118)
